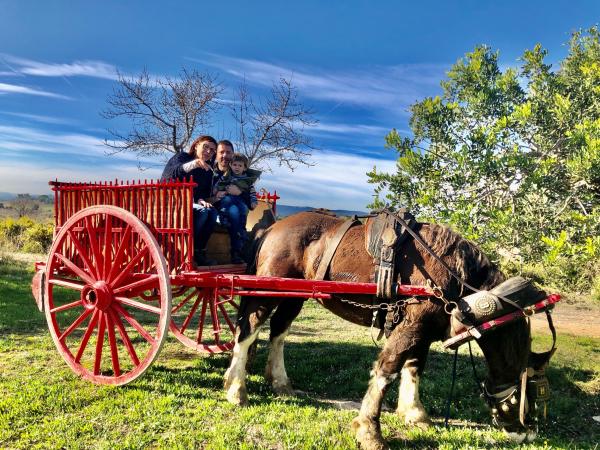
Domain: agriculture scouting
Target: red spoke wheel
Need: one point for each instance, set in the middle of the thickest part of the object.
(203, 319)
(100, 265)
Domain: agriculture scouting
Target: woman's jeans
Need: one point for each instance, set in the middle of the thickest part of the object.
(204, 224)
(233, 212)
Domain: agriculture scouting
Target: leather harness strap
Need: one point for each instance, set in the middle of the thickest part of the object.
(332, 247)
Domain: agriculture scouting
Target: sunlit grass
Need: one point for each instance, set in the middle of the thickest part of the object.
(180, 403)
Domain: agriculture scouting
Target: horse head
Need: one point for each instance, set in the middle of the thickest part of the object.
(516, 386)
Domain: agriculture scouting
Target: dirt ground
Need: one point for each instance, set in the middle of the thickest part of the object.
(571, 317)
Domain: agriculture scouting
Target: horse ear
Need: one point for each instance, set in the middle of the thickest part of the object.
(540, 361)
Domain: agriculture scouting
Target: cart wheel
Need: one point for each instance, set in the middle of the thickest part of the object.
(204, 320)
(100, 263)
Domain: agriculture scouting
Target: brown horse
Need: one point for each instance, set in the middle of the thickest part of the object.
(293, 248)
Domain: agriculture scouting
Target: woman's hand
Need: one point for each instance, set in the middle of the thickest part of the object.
(220, 194)
(232, 189)
(204, 203)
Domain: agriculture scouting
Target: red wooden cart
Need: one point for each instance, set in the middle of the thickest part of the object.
(119, 274)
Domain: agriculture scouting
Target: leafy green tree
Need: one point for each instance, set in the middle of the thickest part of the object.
(511, 158)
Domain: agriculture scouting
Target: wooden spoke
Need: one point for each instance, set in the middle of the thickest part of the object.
(112, 341)
(93, 242)
(129, 267)
(67, 283)
(81, 318)
(134, 323)
(188, 319)
(76, 270)
(215, 323)
(183, 302)
(226, 317)
(138, 305)
(120, 253)
(66, 306)
(124, 337)
(83, 254)
(86, 336)
(201, 320)
(147, 282)
(99, 343)
(107, 246)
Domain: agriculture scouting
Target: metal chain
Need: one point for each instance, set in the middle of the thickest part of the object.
(387, 306)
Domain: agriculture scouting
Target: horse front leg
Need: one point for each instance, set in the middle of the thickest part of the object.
(366, 426)
(409, 403)
(252, 315)
(281, 321)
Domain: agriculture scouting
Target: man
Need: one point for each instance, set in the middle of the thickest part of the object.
(235, 217)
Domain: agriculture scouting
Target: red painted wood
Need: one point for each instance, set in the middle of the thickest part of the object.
(99, 280)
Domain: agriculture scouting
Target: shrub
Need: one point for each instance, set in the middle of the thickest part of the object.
(24, 234)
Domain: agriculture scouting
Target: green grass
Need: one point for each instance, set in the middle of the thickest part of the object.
(180, 403)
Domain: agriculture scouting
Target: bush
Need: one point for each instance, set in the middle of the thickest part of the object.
(25, 235)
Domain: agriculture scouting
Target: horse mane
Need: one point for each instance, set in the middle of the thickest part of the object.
(469, 262)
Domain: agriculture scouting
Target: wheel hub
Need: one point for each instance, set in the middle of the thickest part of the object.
(97, 296)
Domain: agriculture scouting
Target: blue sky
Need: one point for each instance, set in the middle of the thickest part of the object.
(358, 64)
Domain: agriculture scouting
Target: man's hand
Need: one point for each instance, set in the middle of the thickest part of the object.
(220, 194)
(204, 203)
(232, 189)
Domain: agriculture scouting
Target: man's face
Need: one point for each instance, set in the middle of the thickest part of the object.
(238, 167)
(224, 156)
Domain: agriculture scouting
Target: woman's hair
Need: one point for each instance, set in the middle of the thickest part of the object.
(192, 150)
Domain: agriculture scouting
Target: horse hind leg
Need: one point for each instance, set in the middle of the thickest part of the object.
(409, 403)
(281, 321)
(251, 316)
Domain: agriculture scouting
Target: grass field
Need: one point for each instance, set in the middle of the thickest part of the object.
(180, 402)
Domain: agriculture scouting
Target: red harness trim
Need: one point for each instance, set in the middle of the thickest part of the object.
(476, 332)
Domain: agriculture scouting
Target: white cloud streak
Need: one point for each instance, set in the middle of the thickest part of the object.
(87, 68)
(6, 88)
(337, 181)
(392, 88)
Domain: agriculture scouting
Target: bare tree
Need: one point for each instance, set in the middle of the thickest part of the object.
(24, 204)
(165, 112)
(273, 128)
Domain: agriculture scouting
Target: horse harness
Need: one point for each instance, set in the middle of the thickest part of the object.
(385, 232)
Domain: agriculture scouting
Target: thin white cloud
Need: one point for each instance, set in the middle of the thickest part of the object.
(340, 128)
(336, 181)
(6, 88)
(40, 118)
(393, 88)
(86, 68)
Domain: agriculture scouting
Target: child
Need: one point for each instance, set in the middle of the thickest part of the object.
(233, 209)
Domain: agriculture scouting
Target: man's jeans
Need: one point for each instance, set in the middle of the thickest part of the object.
(233, 213)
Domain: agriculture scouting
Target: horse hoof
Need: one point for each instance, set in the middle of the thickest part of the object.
(416, 418)
(237, 396)
(367, 434)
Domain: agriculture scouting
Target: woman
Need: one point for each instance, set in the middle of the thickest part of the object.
(197, 163)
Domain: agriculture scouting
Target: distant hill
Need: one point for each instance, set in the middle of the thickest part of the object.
(285, 210)
(7, 196)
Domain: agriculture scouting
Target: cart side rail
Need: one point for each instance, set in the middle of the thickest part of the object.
(164, 206)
